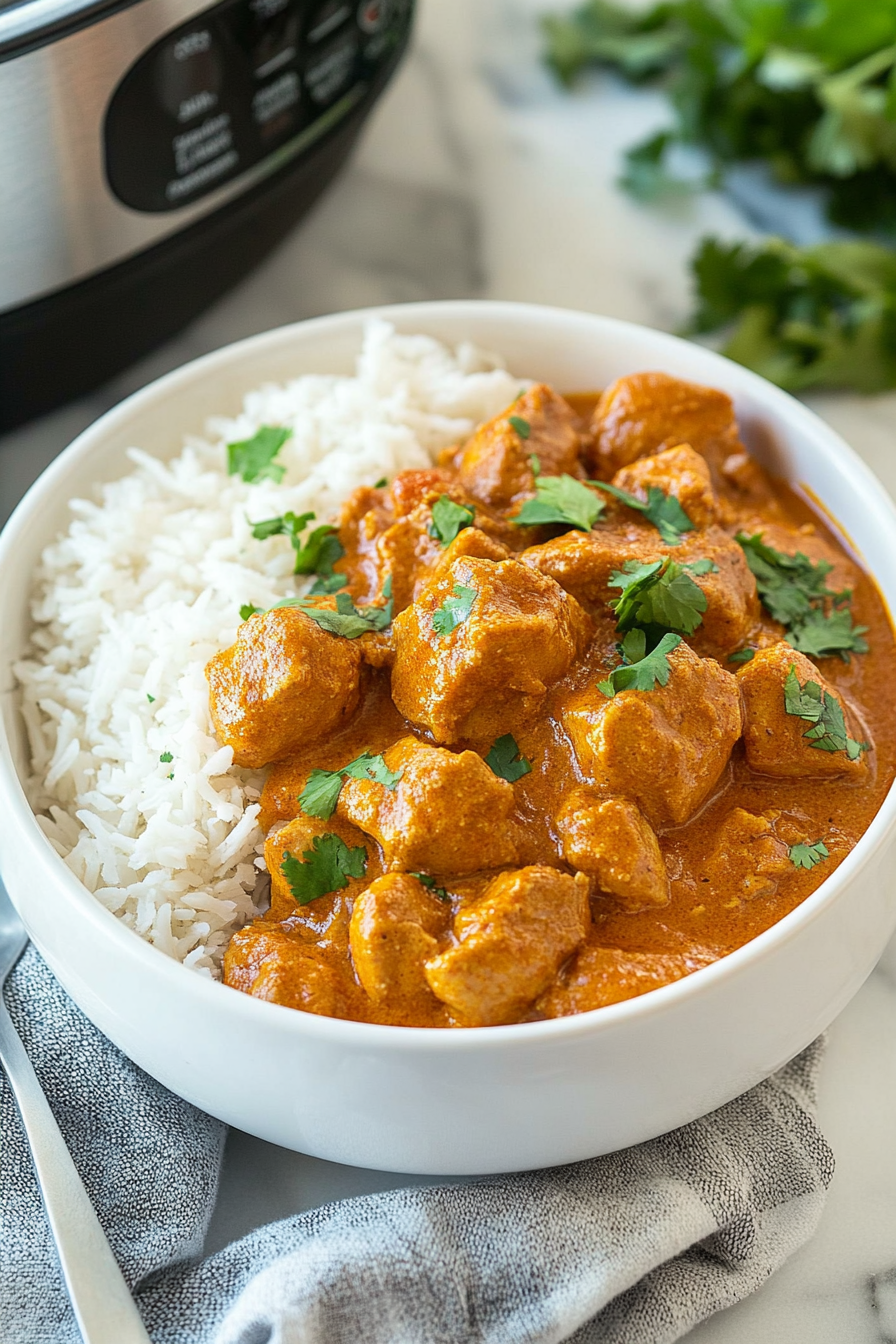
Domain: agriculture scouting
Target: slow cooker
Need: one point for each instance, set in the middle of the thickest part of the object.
(151, 153)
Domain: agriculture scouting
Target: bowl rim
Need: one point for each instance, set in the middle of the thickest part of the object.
(214, 994)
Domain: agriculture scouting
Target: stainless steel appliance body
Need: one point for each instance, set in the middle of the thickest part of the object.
(126, 128)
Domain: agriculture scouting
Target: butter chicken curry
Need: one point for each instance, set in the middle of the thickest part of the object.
(571, 715)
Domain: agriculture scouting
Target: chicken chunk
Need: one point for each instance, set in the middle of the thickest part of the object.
(749, 859)
(395, 927)
(282, 684)
(609, 839)
(775, 740)
(679, 472)
(495, 467)
(666, 748)
(583, 563)
(599, 976)
(646, 412)
(447, 814)
(476, 652)
(272, 963)
(296, 839)
(511, 944)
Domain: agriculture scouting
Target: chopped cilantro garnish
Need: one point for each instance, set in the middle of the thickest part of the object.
(794, 591)
(150, 698)
(327, 866)
(430, 884)
(247, 610)
(742, 656)
(381, 483)
(449, 518)
(641, 671)
(561, 499)
(823, 712)
(664, 511)
(522, 427)
(166, 758)
(253, 459)
(506, 760)
(659, 595)
(535, 464)
(454, 610)
(317, 555)
(806, 856)
(321, 793)
(347, 621)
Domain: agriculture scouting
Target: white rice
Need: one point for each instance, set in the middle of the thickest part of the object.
(146, 585)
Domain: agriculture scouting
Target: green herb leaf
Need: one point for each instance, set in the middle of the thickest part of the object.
(659, 595)
(806, 856)
(644, 674)
(663, 510)
(150, 698)
(166, 758)
(449, 518)
(561, 499)
(317, 555)
(535, 464)
(430, 884)
(381, 483)
(253, 459)
(454, 610)
(247, 610)
(646, 177)
(522, 427)
(327, 867)
(823, 712)
(742, 656)
(506, 761)
(321, 793)
(347, 621)
(794, 591)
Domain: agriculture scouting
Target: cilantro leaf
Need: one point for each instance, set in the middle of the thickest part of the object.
(166, 758)
(664, 511)
(454, 610)
(646, 176)
(253, 459)
(430, 884)
(742, 656)
(449, 518)
(561, 499)
(820, 709)
(794, 591)
(317, 555)
(247, 610)
(522, 427)
(326, 867)
(660, 594)
(645, 673)
(807, 855)
(347, 621)
(321, 793)
(506, 760)
(150, 698)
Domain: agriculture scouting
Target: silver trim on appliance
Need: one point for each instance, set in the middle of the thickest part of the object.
(60, 222)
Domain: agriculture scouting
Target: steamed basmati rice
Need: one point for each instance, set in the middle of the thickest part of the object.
(128, 782)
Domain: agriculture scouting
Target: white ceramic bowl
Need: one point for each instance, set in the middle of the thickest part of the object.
(496, 1098)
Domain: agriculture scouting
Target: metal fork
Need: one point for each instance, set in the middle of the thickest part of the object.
(105, 1311)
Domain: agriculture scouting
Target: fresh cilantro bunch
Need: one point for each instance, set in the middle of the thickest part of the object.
(820, 709)
(807, 87)
(794, 591)
(659, 596)
(822, 316)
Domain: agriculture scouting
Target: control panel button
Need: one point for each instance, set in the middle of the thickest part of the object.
(332, 70)
(327, 18)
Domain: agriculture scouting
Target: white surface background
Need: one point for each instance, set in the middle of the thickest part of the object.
(477, 177)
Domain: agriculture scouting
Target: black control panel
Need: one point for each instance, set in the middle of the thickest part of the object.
(242, 82)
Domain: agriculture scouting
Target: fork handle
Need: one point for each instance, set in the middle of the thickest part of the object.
(105, 1311)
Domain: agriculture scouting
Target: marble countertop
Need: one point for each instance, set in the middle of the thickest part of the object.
(477, 178)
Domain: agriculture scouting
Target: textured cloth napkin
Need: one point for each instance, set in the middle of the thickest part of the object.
(634, 1248)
